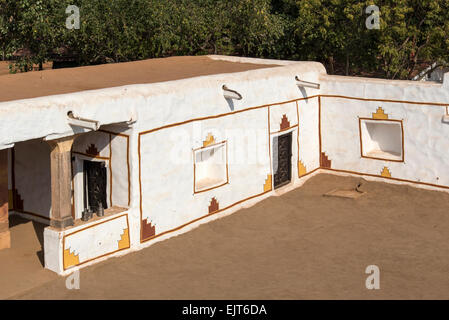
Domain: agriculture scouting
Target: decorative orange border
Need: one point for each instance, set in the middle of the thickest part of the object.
(269, 147)
(376, 100)
(436, 104)
(94, 225)
(225, 143)
(388, 178)
(381, 120)
(199, 119)
(296, 109)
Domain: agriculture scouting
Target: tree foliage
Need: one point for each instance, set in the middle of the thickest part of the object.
(413, 33)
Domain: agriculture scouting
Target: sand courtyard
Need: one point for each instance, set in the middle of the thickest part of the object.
(301, 245)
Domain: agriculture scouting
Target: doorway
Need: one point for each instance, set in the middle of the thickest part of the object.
(95, 185)
(282, 160)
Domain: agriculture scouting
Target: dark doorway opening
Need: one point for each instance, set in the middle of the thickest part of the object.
(282, 159)
(95, 184)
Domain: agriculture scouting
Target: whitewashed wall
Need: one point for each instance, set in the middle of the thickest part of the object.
(426, 137)
(172, 119)
(167, 167)
(308, 133)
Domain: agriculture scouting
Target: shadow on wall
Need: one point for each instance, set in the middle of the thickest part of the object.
(304, 93)
(230, 103)
(39, 230)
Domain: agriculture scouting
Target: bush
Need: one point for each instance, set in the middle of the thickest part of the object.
(413, 32)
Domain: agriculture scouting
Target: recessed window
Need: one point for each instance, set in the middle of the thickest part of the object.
(211, 169)
(382, 139)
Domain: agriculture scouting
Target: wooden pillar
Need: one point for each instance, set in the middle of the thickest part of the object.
(61, 182)
(5, 238)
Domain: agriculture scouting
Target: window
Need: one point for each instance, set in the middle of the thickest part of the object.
(211, 168)
(382, 139)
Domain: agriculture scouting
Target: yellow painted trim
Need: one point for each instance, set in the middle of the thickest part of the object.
(70, 259)
(123, 243)
(210, 140)
(268, 183)
(301, 169)
(380, 114)
(385, 173)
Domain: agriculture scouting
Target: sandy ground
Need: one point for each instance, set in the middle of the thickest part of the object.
(58, 81)
(297, 246)
(22, 266)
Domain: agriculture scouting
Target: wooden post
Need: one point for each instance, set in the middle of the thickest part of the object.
(5, 238)
(61, 182)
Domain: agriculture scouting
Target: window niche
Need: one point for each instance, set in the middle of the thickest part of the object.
(210, 168)
(382, 139)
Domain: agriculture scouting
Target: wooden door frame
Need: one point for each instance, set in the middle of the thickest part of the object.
(272, 137)
(78, 183)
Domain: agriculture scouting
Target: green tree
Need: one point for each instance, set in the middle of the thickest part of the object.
(8, 17)
(330, 31)
(34, 30)
(414, 35)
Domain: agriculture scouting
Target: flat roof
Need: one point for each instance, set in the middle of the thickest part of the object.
(59, 81)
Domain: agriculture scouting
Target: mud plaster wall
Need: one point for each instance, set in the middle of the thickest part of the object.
(104, 238)
(426, 137)
(308, 135)
(166, 153)
(168, 186)
(168, 197)
(175, 118)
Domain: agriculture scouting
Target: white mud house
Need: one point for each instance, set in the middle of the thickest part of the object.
(117, 157)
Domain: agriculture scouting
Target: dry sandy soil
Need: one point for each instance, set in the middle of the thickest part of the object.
(297, 246)
(59, 81)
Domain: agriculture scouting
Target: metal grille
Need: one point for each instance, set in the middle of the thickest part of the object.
(95, 184)
(282, 160)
